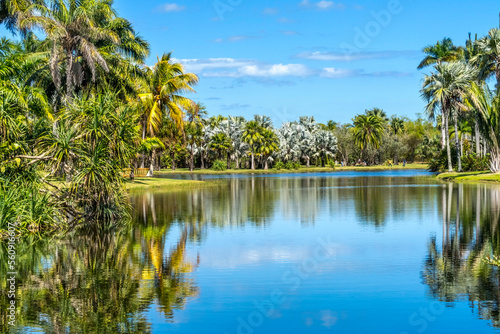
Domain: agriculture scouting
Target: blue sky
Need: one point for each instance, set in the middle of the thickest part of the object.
(290, 58)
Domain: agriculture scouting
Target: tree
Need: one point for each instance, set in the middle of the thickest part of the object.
(73, 29)
(442, 52)
(487, 58)
(326, 145)
(368, 131)
(161, 93)
(194, 128)
(444, 89)
(268, 145)
(253, 137)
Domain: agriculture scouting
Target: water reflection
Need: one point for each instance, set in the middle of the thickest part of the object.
(121, 280)
(455, 268)
(91, 282)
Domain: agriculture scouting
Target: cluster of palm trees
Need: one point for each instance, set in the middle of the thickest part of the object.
(252, 143)
(78, 103)
(459, 91)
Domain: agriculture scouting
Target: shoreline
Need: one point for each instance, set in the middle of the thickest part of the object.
(186, 171)
(481, 177)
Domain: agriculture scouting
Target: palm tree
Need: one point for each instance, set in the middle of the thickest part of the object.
(253, 137)
(326, 145)
(194, 127)
(221, 143)
(161, 93)
(368, 130)
(73, 29)
(442, 52)
(488, 56)
(378, 112)
(268, 145)
(444, 89)
(397, 125)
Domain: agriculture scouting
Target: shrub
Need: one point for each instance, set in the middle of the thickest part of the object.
(219, 165)
(289, 165)
(296, 165)
(472, 162)
(331, 163)
(440, 162)
(279, 165)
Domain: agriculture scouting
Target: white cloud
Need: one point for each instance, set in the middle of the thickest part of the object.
(322, 5)
(264, 70)
(331, 72)
(199, 65)
(171, 7)
(341, 56)
(265, 73)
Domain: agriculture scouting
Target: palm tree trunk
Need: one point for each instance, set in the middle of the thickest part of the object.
(228, 160)
(143, 155)
(323, 158)
(266, 165)
(172, 155)
(447, 140)
(477, 135)
(191, 159)
(253, 160)
(308, 162)
(444, 126)
(202, 160)
(237, 162)
(69, 75)
(457, 142)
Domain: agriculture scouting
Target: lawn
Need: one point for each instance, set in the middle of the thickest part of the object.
(146, 183)
(470, 177)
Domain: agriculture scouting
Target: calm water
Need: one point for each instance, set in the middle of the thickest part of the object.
(346, 252)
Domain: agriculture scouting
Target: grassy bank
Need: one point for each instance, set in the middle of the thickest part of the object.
(284, 171)
(146, 183)
(469, 177)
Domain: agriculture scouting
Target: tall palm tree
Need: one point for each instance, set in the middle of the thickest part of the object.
(268, 145)
(368, 130)
(161, 93)
(73, 29)
(378, 112)
(443, 51)
(194, 127)
(444, 90)
(488, 55)
(253, 137)
(221, 143)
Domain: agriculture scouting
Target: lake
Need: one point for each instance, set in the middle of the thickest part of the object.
(341, 252)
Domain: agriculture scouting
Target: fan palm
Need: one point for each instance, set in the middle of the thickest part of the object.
(444, 89)
(488, 55)
(443, 51)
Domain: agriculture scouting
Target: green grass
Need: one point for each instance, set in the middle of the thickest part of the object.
(282, 171)
(146, 183)
(470, 177)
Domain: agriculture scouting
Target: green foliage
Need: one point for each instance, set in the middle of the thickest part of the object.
(289, 165)
(296, 165)
(440, 162)
(472, 162)
(331, 164)
(219, 165)
(279, 165)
